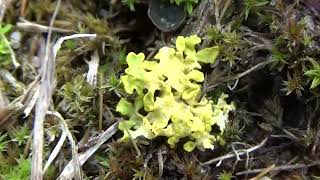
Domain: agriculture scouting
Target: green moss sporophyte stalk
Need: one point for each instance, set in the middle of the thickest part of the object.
(168, 90)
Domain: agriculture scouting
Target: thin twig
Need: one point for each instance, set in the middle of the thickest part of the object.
(27, 147)
(271, 175)
(225, 7)
(240, 153)
(237, 76)
(316, 140)
(101, 100)
(237, 155)
(146, 160)
(264, 172)
(280, 168)
(34, 27)
(231, 88)
(160, 160)
(216, 14)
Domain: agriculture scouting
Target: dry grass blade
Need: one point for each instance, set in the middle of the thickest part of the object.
(45, 94)
(25, 102)
(59, 42)
(263, 173)
(42, 105)
(55, 151)
(68, 171)
(3, 8)
(93, 69)
(34, 27)
(74, 147)
(44, 97)
(32, 99)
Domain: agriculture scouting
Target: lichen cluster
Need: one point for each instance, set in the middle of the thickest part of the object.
(166, 95)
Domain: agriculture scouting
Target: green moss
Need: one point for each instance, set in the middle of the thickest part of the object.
(76, 100)
(21, 171)
(5, 61)
(3, 142)
(314, 73)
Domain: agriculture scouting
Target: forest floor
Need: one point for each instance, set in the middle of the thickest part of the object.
(61, 69)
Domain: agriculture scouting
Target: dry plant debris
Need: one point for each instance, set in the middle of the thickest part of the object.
(62, 69)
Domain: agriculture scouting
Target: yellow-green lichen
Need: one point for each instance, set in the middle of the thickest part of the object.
(168, 88)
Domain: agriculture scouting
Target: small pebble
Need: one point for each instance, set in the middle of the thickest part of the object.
(15, 39)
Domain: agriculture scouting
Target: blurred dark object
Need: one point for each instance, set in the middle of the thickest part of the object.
(165, 16)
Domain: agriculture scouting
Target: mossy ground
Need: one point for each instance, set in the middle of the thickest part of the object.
(268, 64)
